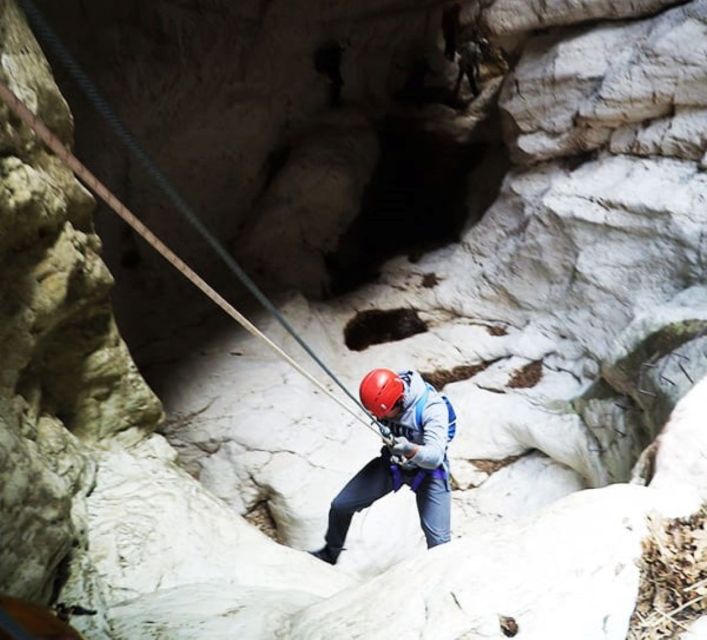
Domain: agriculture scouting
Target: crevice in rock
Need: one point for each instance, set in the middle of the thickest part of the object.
(377, 326)
(490, 389)
(259, 516)
(492, 466)
(508, 625)
(497, 330)
(62, 574)
(430, 280)
(425, 190)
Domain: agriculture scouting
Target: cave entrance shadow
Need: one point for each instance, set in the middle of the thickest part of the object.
(417, 201)
(376, 326)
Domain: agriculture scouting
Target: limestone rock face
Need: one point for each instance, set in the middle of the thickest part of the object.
(311, 202)
(66, 375)
(635, 87)
(505, 17)
(572, 260)
(598, 234)
(157, 538)
(568, 325)
(468, 586)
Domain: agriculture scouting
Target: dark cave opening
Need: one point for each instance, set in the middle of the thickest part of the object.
(376, 326)
(425, 189)
(429, 185)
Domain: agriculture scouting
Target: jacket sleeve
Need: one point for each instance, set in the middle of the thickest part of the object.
(435, 425)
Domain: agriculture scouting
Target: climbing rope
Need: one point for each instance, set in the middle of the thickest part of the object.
(83, 174)
(47, 35)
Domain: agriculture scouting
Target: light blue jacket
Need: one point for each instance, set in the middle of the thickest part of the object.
(431, 434)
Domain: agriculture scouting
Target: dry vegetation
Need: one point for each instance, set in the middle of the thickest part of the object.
(527, 376)
(260, 516)
(491, 466)
(430, 280)
(441, 377)
(673, 589)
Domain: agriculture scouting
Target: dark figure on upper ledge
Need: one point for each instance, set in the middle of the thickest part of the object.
(470, 58)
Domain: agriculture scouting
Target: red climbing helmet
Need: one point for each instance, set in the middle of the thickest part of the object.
(379, 391)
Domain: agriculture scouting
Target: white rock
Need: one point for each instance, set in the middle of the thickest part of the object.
(153, 527)
(521, 488)
(207, 610)
(680, 460)
(578, 252)
(382, 536)
(507, 424)
(682, 135)
(569, 571)
(467, 475)
(570, 92)
(512, 16)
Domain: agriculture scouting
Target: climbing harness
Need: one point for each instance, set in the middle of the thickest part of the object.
(82, 173)
(399, 473)
(54, 43)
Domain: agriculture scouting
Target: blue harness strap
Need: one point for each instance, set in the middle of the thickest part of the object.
(451, 414)
(420, 406)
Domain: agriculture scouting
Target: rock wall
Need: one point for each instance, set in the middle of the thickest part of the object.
(588, 269)
(189, 79)
(566, 327)
(67, 378)
(633, 88)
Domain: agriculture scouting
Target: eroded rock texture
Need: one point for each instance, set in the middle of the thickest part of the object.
(636, 88)
(587, 270)
(568, 326)
(66, 378)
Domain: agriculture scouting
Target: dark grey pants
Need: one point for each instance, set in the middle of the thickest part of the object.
(373, 482)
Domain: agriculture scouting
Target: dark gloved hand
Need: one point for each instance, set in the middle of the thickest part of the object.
(403, 447)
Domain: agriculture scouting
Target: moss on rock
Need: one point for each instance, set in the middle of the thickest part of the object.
(66, 376)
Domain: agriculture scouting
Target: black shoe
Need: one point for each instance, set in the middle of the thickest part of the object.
(325, 554)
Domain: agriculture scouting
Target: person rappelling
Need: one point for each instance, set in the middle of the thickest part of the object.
(415, 421)
(419, 423)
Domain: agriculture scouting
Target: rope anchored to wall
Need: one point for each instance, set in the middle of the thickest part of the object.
(52, 41)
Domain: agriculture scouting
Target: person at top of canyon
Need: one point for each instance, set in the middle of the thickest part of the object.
(419, 422)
